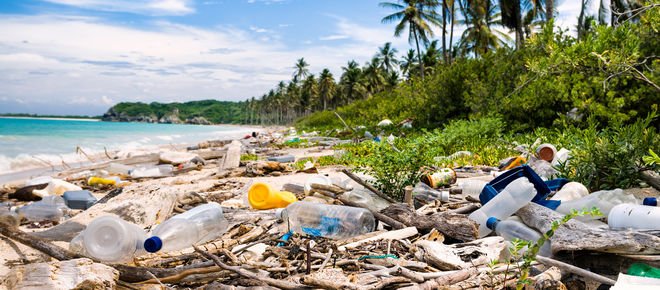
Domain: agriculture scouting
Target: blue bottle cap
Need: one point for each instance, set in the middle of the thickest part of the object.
(153, 244)
(652, 201)
(490, 223)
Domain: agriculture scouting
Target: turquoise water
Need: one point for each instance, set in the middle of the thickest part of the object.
(30, 143)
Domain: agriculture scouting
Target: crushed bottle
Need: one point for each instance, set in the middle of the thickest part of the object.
(329, 221)
(110, 239)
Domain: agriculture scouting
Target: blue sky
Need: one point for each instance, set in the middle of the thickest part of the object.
(83, 56)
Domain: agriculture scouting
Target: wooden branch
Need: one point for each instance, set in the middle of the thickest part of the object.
(575, 270)
(651, 177)
(330, 188)
(247, 274)
(447, 279)
(366, 185)
(327, 258)
(466, 209)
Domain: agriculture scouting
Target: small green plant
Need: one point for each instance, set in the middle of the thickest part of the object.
(652, 158)
(528, 255)
(249, 157)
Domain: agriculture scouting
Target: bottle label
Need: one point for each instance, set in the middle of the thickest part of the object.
(328, 225)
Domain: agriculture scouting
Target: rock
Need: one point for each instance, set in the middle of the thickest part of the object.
(199, 120)
(459, 256)
(176, 158)
(72, 274)
(575, 235)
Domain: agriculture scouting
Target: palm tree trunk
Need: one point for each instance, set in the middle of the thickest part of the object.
(451, 33)
(419, 54)
(581, 20)
(444, 30)
(549, 10)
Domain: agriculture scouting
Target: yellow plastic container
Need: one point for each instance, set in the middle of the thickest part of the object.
(264, 196)
(515, 163)
(92, 181)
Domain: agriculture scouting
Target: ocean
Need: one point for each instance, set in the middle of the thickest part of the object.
(27, 143)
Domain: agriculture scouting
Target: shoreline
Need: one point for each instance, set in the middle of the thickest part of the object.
(53, 118)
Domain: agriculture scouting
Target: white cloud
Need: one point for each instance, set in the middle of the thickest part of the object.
(75, 60)
(150, 7)
(333, 37)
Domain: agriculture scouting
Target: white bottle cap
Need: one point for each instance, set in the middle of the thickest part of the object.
(444, 195)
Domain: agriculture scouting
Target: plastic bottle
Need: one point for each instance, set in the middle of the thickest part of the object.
(50, 208)
(161, 170)
(264, 196)
(198, 225)
(93, 181)
(516, 195)
(510, 230)
(118, 168)
(561, 156)
(635, 216)
(110, 239)
(472, 187)
(643, 270)
(282, 159)
(546, 152)
(365, 197)
(571, 191)
(650, 201)
(8, 216)
(324, 220)
(424, 194)
(604, 200)
(56, 187)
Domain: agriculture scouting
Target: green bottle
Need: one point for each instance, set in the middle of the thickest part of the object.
(644, 270)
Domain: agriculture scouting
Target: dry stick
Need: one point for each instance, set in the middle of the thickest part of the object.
(106, 153)
(466, 209)
(330, 188)
(448, 279)
(327, 258)
(575, 270)
(79, 150)
(180, 276)
(309, 259)
(247, 274)
(366, 185)
(381, 217)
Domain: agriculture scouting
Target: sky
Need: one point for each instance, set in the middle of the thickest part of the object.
(80, 57)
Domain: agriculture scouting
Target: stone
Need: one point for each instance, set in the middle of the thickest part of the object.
(72, 274)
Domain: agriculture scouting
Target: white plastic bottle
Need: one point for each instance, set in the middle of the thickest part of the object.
(571, 191)
(161, 170)
(516, 195)
(324, 220)
(56, 187)
(110, 239)
(198, 225)
(510, 230)
(50, 208)
(634, 216)
(604, 200)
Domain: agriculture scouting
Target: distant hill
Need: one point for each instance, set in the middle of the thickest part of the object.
(195, 112)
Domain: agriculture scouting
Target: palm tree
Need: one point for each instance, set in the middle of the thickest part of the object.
(308, 94)
(351, 82)
(512, 18)
(418, 16)
(373, 78)
(387, 57)
(432, 56)
(301, 69)
(408, 63)
(326, 87)
(479, 37)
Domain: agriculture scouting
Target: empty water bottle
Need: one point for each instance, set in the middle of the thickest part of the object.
(324, 220)
(635, 216)
(50, 208)
(144, 171)
(571, 191)
(366, 198)
(604, 200)
(514, 196)
(424, 194)
(118, 168)
(198, 225)
(110, 239)
(509, 230)
(471, 187)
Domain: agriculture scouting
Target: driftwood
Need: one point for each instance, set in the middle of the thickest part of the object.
(71, 274)
(249, 275)
(233, 157)
(445, 280)
(575, 235)
(391, 235)
(294, 188)
(575, 270)
(25, 193)
(459, 256)
(366, 185)
(651, 177)
(452, 225)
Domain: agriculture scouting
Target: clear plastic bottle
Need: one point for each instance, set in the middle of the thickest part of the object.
(144, 171)
(424, 194)
(118, 168)
(324, 220)
(634, 216)
(50, 208)
(198, 225)
(516, 195)
(571, 191)
(509, 230)
(110, 239)
(604, 200)
(472, 187)
(8, 216)
(365, 197)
